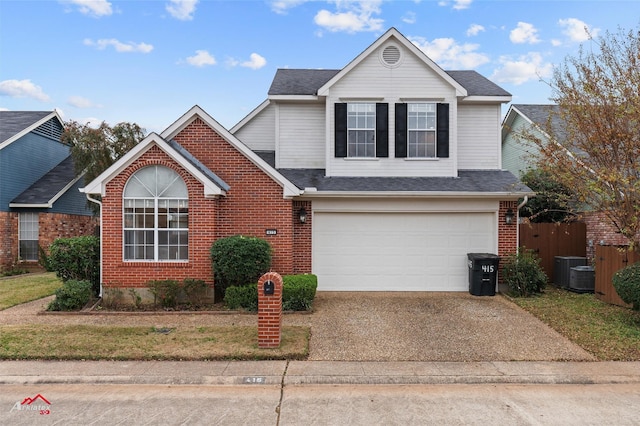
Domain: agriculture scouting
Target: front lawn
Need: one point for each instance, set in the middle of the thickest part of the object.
(611, 333)
(25, 288)
(93, 342)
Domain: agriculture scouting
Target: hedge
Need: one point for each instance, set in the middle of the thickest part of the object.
(298, 292)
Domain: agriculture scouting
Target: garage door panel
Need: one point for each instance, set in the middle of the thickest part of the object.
(398, 251)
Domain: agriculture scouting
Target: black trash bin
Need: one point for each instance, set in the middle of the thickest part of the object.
(483, 273)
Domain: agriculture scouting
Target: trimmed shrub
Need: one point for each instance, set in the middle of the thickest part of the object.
(298, 292)
(76, 258)
(239, 260)
(194, 291)
(523, 274)
(627, 284)
(72, 296)
(245, 297)
(165, 291)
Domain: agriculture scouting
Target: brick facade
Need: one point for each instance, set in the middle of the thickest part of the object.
(51, 226)
(600, 231)
(253, 204)
(507, 234)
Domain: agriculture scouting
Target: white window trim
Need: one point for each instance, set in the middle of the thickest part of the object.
(434, 131)
(349, 129)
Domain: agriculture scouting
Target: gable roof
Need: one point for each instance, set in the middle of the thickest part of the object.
(15, 124)
(537, 115)
(213, 185)
(476, 84)
(395, 34)
(46, 190)
(300, 81)
(289, 189)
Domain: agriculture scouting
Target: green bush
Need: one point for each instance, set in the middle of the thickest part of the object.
(298, 292)
(194, 291)
(72, 296)
(165, 291)
(245, 297)
(239, 260)
(523, 274)
(627, 284)
(76, 258)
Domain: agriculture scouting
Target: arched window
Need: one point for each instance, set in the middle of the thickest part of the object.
(156, 216)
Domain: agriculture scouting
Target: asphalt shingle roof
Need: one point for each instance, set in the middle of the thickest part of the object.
(481, 181)
(49, 185)
(539, 115)
(197, 164)
(13, 122)
(308, 81)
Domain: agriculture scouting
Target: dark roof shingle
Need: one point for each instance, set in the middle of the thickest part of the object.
(13, 122)
(49, 185)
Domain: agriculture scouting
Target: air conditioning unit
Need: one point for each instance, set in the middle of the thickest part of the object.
(582, 279)
(562, 269)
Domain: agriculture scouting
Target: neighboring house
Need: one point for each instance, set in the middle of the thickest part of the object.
(519, 154)
(380, 176)
(39, 190)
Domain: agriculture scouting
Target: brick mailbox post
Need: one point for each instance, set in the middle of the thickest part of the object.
(269, 310)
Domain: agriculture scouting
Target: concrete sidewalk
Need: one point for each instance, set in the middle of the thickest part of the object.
(255, 373)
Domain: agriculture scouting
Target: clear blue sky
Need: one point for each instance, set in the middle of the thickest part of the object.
(149, 61)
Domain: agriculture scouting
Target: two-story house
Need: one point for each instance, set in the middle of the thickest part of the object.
(39, 197)
(382, 175)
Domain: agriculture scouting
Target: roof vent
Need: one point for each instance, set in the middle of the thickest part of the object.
(391, 56)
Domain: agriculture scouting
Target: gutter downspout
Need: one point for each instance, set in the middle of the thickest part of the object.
(99, 203)
(521, 205)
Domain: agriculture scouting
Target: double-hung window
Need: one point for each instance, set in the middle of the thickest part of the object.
(28, 230)
(421, 128)
(361, 129)
(156, 216)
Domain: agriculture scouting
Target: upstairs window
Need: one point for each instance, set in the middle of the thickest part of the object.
(361, 130)
(421, 128)
(156, 216)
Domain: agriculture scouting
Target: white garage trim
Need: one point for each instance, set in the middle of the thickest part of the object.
(399, 251)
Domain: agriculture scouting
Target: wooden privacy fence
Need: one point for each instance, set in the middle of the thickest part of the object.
(609, 260)
(549, 240)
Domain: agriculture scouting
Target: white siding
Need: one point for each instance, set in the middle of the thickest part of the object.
(259, 134)
(479, 137)
(301, 130)
(374, 82)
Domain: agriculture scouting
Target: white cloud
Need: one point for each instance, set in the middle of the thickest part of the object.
(523, 69)
(577, 30)
(23, 89)
(409, 18)
(80, 102)
(118, 45)
(351, 17)
(457, 4)
(95, 8)
(474, 30)
(524, 33)
(201, 59)
(182, 9)
(282, 6)
(255, 62)
(449, 54)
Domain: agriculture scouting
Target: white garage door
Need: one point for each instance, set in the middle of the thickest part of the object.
(398, 251)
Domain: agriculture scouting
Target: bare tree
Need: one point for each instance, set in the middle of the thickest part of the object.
(597, 153)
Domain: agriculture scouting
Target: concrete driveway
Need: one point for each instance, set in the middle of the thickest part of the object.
(421, 326)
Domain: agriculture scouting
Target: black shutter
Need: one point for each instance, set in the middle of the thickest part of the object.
(401, 130)
(340, 130)
(382, 130)
(442, 130)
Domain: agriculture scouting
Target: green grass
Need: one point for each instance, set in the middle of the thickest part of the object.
(25, 288)
(93, 342)
(611, 333)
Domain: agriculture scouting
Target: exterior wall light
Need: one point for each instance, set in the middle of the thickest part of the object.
(302, 215)
(508, 217)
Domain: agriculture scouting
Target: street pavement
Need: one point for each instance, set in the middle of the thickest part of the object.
(319, 393)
